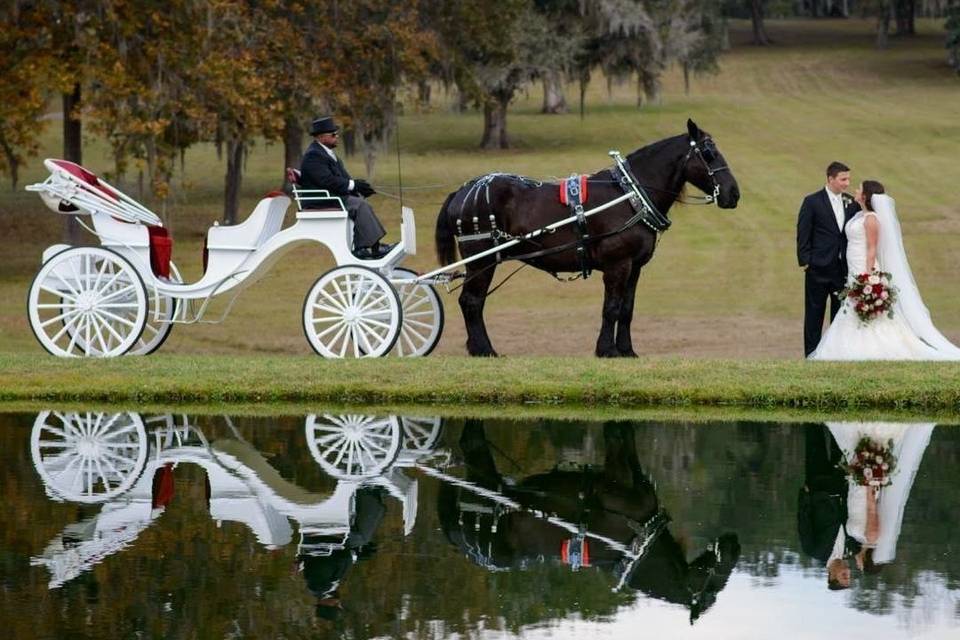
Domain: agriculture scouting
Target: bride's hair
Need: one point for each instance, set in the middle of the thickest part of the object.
(870, 189)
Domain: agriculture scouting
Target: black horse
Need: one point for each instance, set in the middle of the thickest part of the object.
(519, 205)
(615, 507)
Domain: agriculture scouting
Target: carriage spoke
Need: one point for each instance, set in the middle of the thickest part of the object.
(116, 293)
(116, 318)
(356, 345)
(323, 307)
(112, 331)
(58, 317)
(329, 329)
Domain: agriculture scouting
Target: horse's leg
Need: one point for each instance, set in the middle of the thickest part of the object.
(624, 339)
(472, 298)
(614, 284)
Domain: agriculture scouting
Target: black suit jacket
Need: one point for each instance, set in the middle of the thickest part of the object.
(319, 171)
(820, 243)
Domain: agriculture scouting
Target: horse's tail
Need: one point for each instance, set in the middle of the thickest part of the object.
(444, 237)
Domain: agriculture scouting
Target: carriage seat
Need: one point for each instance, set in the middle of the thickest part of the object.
(252, 233)
(113, 230)
(317, 201)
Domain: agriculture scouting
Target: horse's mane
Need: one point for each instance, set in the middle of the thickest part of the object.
(653, 148)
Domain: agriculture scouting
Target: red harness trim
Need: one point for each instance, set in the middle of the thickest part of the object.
(583, 190)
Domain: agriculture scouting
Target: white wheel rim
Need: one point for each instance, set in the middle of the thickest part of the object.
(87, 302)
(88, 457)
(352, 312)
(353, 446)
(422, 317)
(420, 434)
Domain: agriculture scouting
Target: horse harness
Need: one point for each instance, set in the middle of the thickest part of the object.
(573, 193)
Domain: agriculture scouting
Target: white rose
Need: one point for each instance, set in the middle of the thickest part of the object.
(868, 473)
(884, 466)
(878, 303)
(874, 279)
(879, 459)
(884, 295)
(868, 289)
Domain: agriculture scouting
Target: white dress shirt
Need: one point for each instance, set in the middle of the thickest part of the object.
(836, 201)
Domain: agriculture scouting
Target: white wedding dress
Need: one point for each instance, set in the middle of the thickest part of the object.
(909, 334)
(909, 443)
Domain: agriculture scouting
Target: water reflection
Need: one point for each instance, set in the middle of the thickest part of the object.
(849, 522)
(392, 525)
(126, 463)
(606, 516)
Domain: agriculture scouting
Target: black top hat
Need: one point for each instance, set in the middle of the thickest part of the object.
(323, 125)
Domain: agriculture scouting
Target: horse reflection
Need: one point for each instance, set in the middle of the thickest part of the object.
(607, 518)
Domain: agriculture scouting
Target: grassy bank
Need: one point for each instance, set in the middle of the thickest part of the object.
(566, 382)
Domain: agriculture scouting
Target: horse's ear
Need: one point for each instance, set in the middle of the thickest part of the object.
(693, 129)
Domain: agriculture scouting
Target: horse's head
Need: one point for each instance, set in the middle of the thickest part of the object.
(707, 169)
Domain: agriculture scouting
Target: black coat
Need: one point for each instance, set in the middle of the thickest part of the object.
(319, 171)
(820, 243)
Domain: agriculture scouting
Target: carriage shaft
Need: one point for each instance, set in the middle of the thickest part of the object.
(529, 236)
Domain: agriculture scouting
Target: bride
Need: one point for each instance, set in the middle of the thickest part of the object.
(874, 243)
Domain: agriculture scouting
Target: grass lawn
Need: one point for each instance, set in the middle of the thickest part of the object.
(724, 284)
(546, 381)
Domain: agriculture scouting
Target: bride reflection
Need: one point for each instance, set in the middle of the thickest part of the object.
(126, 463)
(607, 518)
(858, 480)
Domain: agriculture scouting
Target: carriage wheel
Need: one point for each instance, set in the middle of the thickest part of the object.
(421, 434)
(353, 446)
(352, 312)
(155, 331)
(88, 302)
(422, 317)
(88, 457)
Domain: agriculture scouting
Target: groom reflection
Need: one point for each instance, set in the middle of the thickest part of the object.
(607, 518)
(324, 563)
(822, 507)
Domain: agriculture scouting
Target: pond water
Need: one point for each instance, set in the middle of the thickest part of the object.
(118, 525)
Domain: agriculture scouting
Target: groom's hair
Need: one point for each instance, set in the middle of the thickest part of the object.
(836, 167)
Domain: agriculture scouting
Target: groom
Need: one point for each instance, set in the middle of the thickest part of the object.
(822, 248)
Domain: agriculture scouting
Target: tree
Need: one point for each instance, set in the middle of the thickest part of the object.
(385, 47)
(760, 37)
(953, 34)
(22, 97)
(489, 56)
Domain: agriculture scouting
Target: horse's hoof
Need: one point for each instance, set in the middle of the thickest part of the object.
(482, 353)
(629, 353)
(608, 353)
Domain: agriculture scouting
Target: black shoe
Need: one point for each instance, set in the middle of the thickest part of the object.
(381, 249)
(365, 253)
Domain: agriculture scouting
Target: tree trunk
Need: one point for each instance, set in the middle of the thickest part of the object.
(72, 151)
(651, 87)
(12, 162)
(584, 81)
(686, 78)
(553, 99)
(904, 10)
(231, 199)
(424, 89)
(883, 26)
(349, 140)
(495, 123)
(760, 37)
(292, 145)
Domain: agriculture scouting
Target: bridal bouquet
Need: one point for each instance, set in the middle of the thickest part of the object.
(872, 463)
(871, 295)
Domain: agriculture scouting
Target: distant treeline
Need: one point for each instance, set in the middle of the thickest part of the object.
(154, 77)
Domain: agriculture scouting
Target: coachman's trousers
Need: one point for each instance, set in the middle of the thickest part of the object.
(367, 229)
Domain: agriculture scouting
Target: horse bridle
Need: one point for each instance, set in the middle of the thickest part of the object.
(702, 153)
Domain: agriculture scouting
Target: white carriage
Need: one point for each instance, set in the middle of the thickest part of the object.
(124, 296)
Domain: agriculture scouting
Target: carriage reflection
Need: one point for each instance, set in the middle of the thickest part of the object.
(125, 462)
(608, 518)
